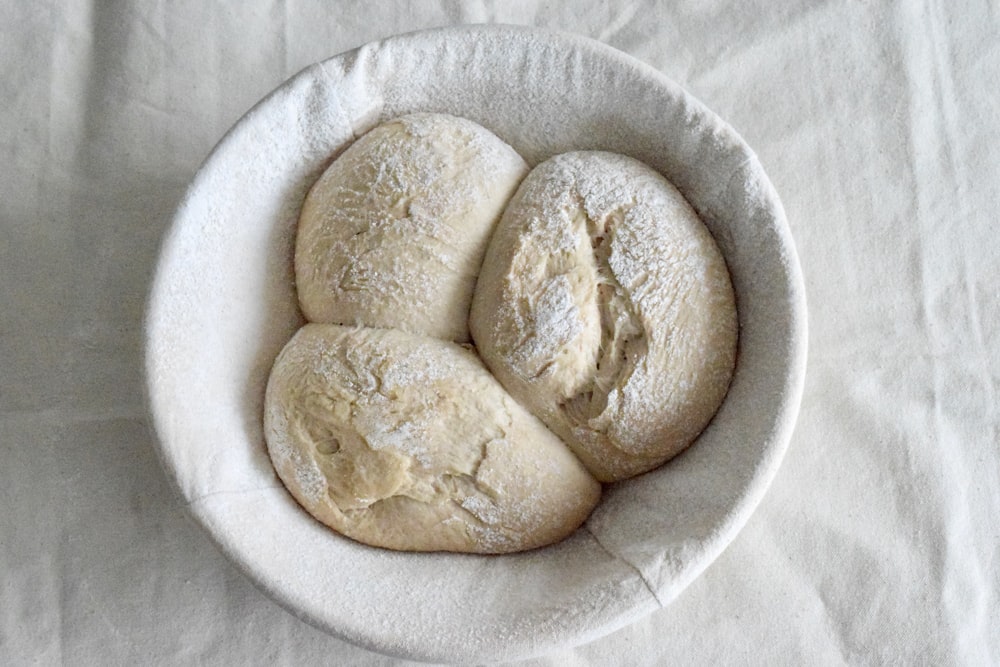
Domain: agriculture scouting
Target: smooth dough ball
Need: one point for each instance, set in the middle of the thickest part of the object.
(605, 307)
(407, 442)
(393, 233)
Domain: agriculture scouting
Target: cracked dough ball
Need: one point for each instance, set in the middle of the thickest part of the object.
(393, 233)
(605, 307)
(408, 442)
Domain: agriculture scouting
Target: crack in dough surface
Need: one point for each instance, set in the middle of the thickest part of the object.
(605, 307)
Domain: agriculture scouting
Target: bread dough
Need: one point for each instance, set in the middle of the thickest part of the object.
(605, 307)
(393, 233)
(407, 442)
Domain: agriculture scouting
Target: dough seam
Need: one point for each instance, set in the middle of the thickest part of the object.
(579, 408)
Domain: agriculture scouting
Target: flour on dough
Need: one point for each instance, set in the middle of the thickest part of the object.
(408, 442)
(605, 307)
(393, 233)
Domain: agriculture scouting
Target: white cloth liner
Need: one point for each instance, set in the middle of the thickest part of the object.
(223, 304)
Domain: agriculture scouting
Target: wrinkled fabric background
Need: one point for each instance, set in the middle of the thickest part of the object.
(879, 124)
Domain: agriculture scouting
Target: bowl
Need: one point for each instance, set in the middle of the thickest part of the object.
(223, 304)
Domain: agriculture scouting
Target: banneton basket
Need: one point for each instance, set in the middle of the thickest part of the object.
(223, 304)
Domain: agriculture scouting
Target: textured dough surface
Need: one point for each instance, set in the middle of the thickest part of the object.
(407, 442)
(605, 307)
(393, 233)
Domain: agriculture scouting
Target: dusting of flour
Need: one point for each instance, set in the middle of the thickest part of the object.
(408, 442)
(605, 306)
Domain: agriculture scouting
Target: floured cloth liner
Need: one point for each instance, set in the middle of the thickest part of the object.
(223, 305)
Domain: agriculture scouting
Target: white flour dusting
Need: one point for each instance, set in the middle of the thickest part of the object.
(393, 233)
(407, 442)
(605, 307)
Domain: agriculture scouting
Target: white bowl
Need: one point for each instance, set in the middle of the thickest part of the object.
(223, 304)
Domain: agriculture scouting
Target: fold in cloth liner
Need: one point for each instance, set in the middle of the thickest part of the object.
(223, 304)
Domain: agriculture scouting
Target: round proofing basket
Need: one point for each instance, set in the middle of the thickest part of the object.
(223, 304)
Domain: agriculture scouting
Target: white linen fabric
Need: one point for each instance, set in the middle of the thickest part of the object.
(879, 540)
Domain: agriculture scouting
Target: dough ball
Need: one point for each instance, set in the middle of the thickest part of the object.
(407, 442)
(605, 307)
(393, 233)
